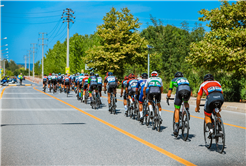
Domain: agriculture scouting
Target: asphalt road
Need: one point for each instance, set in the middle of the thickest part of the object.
(52, 129)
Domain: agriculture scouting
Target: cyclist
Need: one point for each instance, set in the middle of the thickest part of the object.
(155, 85)
(131, 87)
(67, 82)
(183, 91)
(60, 80)
(79, 83)
(76, 80)
(54, 81)
(112, 83)
(92, 84)
(99, 86)
(123, 85)
(85, 85)
(214, 93)
(140, 86)
(45, 78)
(49, 80)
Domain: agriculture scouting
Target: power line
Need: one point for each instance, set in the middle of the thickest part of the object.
(58, 22)
(31, 17)
(57, 31)
(28, 23)
(34, 13)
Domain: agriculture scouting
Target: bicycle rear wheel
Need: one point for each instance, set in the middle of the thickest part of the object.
(208, 140)
(185, 125)
(220, 135)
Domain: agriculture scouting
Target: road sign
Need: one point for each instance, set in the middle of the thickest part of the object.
(67, 70)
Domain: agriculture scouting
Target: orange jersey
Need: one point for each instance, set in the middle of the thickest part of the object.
(209, 87)
(85, 79)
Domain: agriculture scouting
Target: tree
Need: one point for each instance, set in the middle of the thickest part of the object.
(120, 44)
(224, 47)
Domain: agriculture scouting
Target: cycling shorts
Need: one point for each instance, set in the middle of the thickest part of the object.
(85, 86)
(67, 83)
(92, 87)
(141, 98)
(110, 90)
(48, 81)
(125, 96)
(157, 97)
(210, 100)
(60, 81)
(99, 87)
(182, 91)
(44, 82)
(53, 81)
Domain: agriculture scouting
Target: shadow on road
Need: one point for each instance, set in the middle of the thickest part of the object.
(3, 125)
(213, 148)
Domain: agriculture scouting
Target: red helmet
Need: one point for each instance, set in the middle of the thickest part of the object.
(126, 78)
(50, 74)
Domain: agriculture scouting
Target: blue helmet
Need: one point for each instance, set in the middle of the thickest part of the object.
(81, 74)
(110, 73)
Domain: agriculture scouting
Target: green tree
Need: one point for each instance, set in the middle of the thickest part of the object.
(120, 44)
(223, 48)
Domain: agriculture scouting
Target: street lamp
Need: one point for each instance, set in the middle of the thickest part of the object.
(149, 47)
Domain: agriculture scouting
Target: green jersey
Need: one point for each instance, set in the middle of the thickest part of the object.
(177, 82)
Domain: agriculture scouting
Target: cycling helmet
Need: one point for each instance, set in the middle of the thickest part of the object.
(178, 74)
(53, 74)
(44, 74)
(86, 74)
(154, 74)
(110, 73)
(144, 75)
(208, 77)
(68, 75)
(78, 73)
(50, 74)
(92, 74)
(97, 75)
(59, 74)
(126, 78)
(81, 74)
(133, 76)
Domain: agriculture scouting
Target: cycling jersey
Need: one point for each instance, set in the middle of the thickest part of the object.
(53, 77)
(112, 83)
(132, 85)
(85, 81)
(92, 80)
(45, 78)
(99, 80)
(183, 90)
(154, 84)
(80, 79)
(49, 78)
(214, 93)
(141, 83)
(209, 86)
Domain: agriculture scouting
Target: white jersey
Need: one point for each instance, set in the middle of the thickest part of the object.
(99, 80)
(153, 81)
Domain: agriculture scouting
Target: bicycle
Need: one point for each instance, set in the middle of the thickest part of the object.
(145, 113)
(218, 130)
(112, 102)
(133, 109)
(155, 119)
(54, 89)
(95, 100)
(183, 122)
(44, 88)
(67, 90)
(86, 96)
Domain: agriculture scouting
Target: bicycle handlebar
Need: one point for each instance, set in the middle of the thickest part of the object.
(169, 99)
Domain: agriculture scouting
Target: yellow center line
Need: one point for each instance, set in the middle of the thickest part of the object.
(197, 117)
(2, 92)
(179, 159)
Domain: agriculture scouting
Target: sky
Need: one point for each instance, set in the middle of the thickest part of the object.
(22, 21)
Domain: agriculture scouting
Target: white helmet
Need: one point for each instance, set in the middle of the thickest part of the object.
(154, 74)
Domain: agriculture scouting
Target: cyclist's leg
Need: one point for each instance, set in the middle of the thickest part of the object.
(114, 90)
(150, 98)
(90, 92)
(84, 90)
(125, 101)
(158, 98)
(109, 92)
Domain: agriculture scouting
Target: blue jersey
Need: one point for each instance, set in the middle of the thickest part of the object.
(141, 83)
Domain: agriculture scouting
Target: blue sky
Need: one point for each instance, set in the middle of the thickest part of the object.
(22, 21)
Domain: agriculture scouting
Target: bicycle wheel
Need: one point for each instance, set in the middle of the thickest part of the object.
(77, 95)
(147, 116)
(208, 140)
(154, 119)
(220, 135)
(138, 113)
(86, 96)
(158, 120)
(185, 125)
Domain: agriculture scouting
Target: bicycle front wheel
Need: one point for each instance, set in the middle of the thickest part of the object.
(220, 135)
(185, 125)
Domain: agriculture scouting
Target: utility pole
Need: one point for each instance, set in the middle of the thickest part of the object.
(25, 58)
(42, 51)
(33, 59)
(29, 61)
(68, 15)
